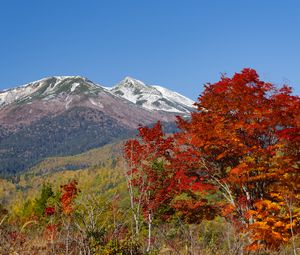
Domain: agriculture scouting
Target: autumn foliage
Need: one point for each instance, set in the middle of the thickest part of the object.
(237, 156)
(69, 193)
(162, 171)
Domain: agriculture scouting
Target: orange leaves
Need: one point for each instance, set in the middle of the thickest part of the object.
(69, 193)
(227, 210)
(273, 223)
(266, 207)
(239, 169)
(254, 247)
(279, 224)
(221, 155)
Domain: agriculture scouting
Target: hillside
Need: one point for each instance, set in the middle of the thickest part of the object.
(109, 156)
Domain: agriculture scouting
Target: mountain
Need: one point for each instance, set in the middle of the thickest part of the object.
(55, 95)
(67, 115)
(154, 98)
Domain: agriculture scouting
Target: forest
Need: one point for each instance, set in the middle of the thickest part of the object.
(226, 182)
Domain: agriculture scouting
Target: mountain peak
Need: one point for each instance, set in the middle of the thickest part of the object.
(152, 97)
(130, 82)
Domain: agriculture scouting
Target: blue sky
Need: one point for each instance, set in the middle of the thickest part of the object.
(177, 44)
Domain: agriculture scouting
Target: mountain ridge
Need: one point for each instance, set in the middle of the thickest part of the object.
(150, 97)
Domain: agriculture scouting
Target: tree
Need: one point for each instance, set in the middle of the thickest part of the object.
(160, 180)
(69, 193)
(41, 202)
(146, 160)
(246, 133)
(242, 141)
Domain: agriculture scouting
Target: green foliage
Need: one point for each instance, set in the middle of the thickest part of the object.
(158, 166)
(41, 202)
(28, 209)
(123, 247)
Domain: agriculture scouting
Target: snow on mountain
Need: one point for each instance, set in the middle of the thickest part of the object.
(152, 97)
(47, 88)
(176, 97)
(67, 88)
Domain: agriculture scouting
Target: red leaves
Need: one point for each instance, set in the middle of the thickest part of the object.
(69, 193)
(194, 211)
(148, 162)
(50, 211)
(50, 232)
(202, 187)
(161, 169)
(243, 141)
(292, 134)
(248, 134)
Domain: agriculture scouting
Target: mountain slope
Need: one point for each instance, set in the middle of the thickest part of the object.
(108, 156)
(75, 131)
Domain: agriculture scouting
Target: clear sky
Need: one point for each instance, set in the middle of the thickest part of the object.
(178, 44)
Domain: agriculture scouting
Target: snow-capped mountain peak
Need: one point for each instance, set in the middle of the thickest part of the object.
(131, 82)
(152, 97)
(48, 88)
